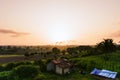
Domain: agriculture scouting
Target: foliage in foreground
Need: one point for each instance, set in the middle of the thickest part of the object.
(26, 71)
(100, 62)
(4, 75)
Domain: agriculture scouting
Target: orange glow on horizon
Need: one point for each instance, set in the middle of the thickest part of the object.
(43, 22)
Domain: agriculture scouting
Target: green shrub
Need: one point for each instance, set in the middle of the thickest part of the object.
(27, 63)
(26, 54)
(20, 63)
(42, 64)
(4, 75)
(2, 68)
(40, 77)
(9, 66)
(23, 63)
(3, 78)
(26, 71)
(81, 64)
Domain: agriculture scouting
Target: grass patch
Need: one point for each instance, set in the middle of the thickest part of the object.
(99, 62)
(72, 76)
(4, 56)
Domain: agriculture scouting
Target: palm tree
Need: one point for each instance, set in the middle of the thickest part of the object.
(106, 46)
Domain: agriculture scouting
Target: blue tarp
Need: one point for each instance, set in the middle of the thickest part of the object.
(104, 73)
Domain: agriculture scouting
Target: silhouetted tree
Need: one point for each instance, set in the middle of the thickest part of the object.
(55, 50)
(63, 52)
(26, 54)
(70, 50)
(106, 46)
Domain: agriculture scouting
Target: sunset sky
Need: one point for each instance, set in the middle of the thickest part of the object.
(44, 22)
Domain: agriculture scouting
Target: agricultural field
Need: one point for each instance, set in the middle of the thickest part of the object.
(111, 63)
(85, 63)
(32, 64)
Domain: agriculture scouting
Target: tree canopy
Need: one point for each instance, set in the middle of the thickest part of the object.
(55, 50)
(106, 45)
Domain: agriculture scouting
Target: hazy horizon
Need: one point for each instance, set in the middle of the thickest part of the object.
(50, 22)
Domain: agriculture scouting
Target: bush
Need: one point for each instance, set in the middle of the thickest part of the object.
(23, 63)
(4, 75)
(26, 71)
(26, 54)
(40, 77)
(2, 68)
(20, 63)
(41, 64)
(81, 64)
(9, 66)
(27, 63)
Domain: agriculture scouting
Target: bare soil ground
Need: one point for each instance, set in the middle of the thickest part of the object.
(7, 59)
(11, 59)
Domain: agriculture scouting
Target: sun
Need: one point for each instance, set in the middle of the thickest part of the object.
(59, 34)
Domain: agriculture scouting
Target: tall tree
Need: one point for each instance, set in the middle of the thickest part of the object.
(71, 50)
(106, 46)
(55, 50)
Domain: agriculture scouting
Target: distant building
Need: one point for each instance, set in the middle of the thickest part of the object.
(59, 66)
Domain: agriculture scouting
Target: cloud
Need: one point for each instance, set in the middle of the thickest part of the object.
(12, 33)
(116, 34)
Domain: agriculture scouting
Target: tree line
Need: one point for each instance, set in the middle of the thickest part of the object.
(105, 46)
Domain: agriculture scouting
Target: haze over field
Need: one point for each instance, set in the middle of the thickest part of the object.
(43, 22)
